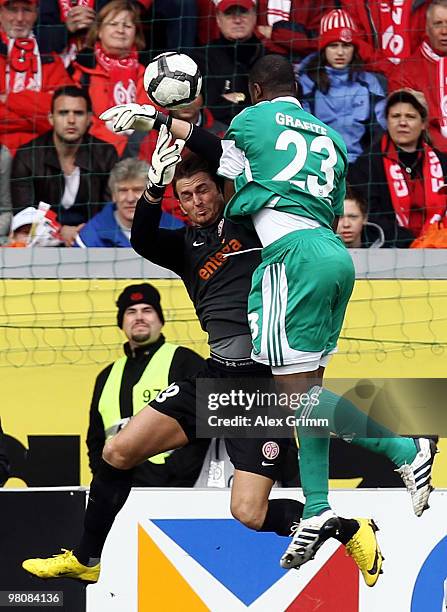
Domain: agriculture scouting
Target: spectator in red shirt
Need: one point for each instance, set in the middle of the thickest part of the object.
(28, 79)
(426, 71)
(392, 28)
(109, 67)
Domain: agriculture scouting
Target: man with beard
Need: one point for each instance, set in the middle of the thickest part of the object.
(66, 167)
(124, 387)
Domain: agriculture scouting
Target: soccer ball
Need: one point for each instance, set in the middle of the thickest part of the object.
(172, 80)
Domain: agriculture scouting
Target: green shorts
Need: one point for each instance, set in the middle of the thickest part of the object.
(298, 300)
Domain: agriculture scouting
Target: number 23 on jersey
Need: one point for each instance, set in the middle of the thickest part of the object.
(299, 170)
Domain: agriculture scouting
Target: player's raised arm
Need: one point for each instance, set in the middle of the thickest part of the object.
(145, 117)
(148, 240)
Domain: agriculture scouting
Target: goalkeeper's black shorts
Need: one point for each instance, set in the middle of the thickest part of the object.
(263, 456)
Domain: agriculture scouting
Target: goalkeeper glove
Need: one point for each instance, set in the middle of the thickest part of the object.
(165, 157)
(142, 118)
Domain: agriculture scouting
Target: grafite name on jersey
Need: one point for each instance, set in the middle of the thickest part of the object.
(289, 121)
(214, 262)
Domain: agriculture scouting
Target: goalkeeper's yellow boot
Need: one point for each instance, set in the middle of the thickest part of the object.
(365, 551)
(64, 565)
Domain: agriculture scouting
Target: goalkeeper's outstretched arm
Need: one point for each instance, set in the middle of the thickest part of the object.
(146, 117)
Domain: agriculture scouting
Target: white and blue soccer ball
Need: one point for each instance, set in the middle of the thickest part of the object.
(172, 80)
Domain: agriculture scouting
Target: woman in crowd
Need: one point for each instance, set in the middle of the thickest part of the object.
(402, 176)
(336, 88)
(109, 66)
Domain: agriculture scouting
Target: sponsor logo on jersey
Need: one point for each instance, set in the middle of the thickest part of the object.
(214, 262)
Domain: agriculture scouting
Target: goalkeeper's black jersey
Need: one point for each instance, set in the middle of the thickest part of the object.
(217, 285)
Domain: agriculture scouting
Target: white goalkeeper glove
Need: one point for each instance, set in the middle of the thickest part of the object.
(142, 118)
(165, 157)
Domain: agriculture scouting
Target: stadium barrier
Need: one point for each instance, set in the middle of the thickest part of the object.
(179, 550)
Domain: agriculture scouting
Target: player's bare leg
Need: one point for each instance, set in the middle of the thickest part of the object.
(249, 498)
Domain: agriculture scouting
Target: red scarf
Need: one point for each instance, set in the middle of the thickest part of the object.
(399, 188)
(24, 66)
(65, 6)
(123, 75)
(441, 83)
(395, 28)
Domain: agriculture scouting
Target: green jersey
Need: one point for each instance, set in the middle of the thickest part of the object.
(292, 162)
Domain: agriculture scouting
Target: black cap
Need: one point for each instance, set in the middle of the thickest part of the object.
(138, 294)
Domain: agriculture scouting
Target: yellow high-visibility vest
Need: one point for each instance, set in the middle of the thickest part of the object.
(153, 380)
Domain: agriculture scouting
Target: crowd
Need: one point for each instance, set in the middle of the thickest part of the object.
(375, 71)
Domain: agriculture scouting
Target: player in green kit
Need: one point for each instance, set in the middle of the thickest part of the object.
(286, 172)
